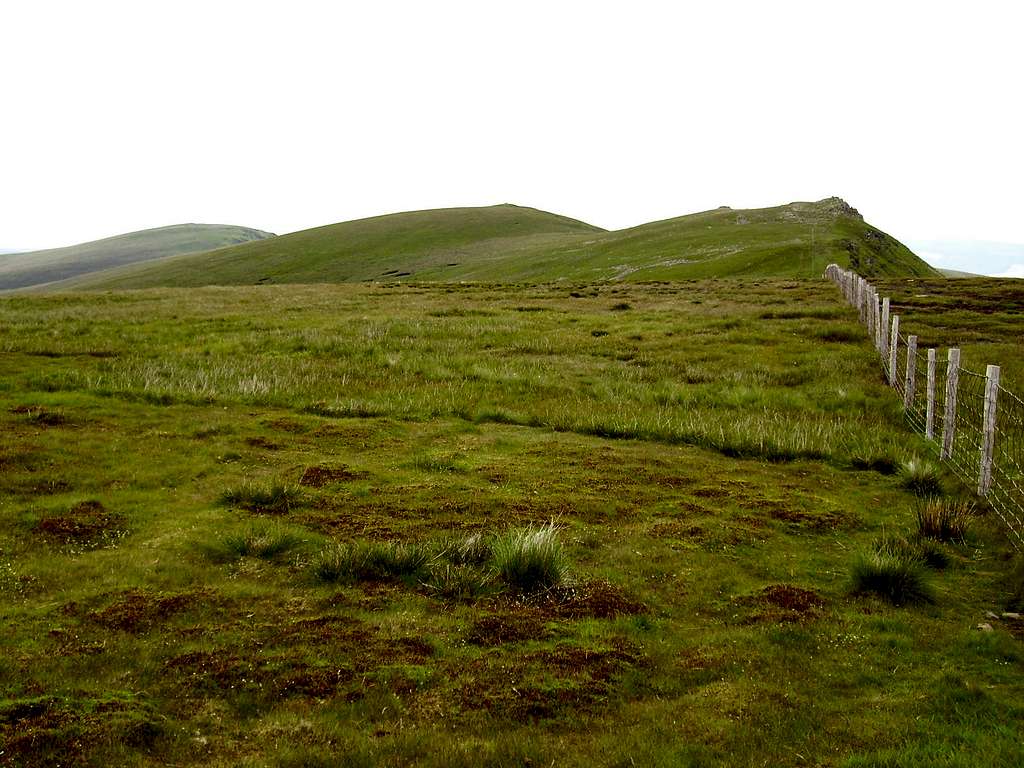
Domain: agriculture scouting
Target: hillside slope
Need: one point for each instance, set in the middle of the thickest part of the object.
(509, 243)
(393, 246)
(20, 270)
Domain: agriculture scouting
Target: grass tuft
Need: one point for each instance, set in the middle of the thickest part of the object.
(474, 549)
(945, 519)
(921, 477)
(530, 559)
(274, 499)
(894, 571)
(370, 561)
(457, 583)
(262, 541)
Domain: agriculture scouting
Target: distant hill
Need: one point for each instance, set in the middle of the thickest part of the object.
(21, 270)
(511, 243)
(956, 273)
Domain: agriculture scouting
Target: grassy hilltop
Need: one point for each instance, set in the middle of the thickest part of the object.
(277, 526)
(20, 270)
(508, 243)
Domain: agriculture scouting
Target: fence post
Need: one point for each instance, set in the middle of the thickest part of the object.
(884, 344)
(949, 420)
(876, 314)
(894, 342)
(988, 431)
(911, 380)
(929, 418)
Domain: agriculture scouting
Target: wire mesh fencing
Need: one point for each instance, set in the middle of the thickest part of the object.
(975, 425)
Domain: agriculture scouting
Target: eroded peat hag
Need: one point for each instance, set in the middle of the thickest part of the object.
(481, 525)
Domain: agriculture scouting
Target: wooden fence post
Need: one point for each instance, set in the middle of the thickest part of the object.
(949, 420)
(894, 342)
(988, 430)
(911, 380)
(884, 344)
(929, 418)
(876, 319)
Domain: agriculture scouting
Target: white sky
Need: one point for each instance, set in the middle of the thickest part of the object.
(281, 116)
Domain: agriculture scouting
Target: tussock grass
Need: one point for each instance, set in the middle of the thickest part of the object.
(370, 561)
(920, 477)
(894, 571)
(458, 583)
(474, 549)
(867, 452)
(273, 499)
(945, 519)
(530, 559)
(265, 541)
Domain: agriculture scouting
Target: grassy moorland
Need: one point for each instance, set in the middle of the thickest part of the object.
(310, 525)
(982, 316)
(510, 243)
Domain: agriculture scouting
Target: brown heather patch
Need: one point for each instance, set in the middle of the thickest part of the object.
(313, 657)
(41, 416)
(508, 627)
(263, 443)
(592, 599)
(55, 731)
(289, 425)
(274, 677)
(137, 610)
(783, 603)
(84, 522)
(318, 477)
(826, 520)
(564, 681)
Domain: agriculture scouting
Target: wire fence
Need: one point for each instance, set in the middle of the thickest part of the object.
(975, 425)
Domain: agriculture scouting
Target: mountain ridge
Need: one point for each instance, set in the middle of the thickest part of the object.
(509, 243)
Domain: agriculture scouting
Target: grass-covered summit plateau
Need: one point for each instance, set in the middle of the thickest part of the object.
(20, 270)
(508, 243)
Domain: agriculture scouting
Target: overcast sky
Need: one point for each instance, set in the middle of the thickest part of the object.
(282, 116)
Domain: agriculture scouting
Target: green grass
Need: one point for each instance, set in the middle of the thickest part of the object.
(981, 316)
(21, 270)
(894, 571)
(265, 541)
(275, 499)
(370, 561)
(921, 477)
(711, 468)
(530, 559)
(509, 243)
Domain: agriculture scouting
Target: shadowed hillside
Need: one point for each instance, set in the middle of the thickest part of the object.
(20, 270)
